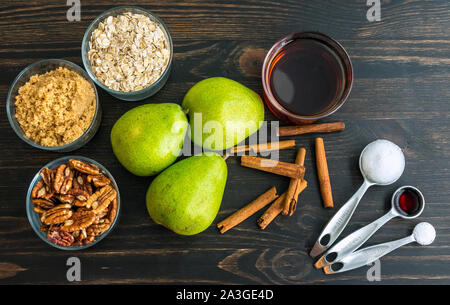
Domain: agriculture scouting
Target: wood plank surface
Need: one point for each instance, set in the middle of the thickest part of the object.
(401, 92)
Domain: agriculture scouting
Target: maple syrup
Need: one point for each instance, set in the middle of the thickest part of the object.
(306, 76)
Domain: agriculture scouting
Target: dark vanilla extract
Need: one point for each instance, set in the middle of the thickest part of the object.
(307, 77)
(409, 201)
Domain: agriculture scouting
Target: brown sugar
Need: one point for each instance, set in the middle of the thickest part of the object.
(55, 108)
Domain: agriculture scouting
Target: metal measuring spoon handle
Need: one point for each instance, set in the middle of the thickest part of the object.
(338, 222)
(353, 241)
(366, 256)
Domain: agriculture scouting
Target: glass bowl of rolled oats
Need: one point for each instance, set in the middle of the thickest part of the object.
(72, 203)
(53, 105)
(128, 52)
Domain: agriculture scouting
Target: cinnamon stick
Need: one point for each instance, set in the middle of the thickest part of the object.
(247, 211)
(323, 175)
(311, 128)
(290, 170)
(289, 204)
(264, 147)
(273, 211)
(300, 188)
(276, 207)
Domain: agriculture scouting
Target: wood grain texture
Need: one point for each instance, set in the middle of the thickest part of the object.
(401, 92)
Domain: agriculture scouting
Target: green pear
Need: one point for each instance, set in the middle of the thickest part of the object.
(149, 138)
(186, 197)
(222, 112)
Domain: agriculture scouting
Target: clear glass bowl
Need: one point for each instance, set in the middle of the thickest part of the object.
(42, 67)
(34, 219)
(135, 95)
(280, 111)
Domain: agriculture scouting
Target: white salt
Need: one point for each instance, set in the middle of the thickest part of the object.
(424, 233)
(382, 162)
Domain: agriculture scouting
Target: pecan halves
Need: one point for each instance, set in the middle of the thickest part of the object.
(87, 168)
(78, 181)
(79, 190)
(81, 182)
(101, 199)
(56, 236)
(98, 180)
(63, 179)
(44, 228)
(98, 229)
(39, 210)
(80, 220)
(40, 190)
(65, 198)
(90, 237)
(112, 211)
(47, 176)
(75, 203)
(79, 194)
(105, 201)
(59, 177)
(88, 187)
(57, 215)
(80, 236)
(68, 180)
(43, 203)
(81, 187)
(100, 217)
(79, 203)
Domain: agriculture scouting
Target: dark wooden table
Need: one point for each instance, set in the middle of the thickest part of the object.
(401, 92)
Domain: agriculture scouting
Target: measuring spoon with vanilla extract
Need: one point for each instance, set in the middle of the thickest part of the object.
(407, 202)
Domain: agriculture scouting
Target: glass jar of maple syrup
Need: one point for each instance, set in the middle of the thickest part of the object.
(306, 76)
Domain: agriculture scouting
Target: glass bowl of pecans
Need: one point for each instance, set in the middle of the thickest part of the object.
(128, 52)
(72, 203)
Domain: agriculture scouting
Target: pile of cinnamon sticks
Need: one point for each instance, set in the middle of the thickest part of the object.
(287, 202)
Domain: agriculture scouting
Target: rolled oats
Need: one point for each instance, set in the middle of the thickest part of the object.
(128, 52)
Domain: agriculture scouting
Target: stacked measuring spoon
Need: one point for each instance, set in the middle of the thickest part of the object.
(381, 163)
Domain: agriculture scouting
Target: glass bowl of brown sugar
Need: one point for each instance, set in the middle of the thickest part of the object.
(53, 105)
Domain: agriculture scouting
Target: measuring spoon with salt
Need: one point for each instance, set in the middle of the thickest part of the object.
(381, 163)
(423, 233)
(407, 202)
